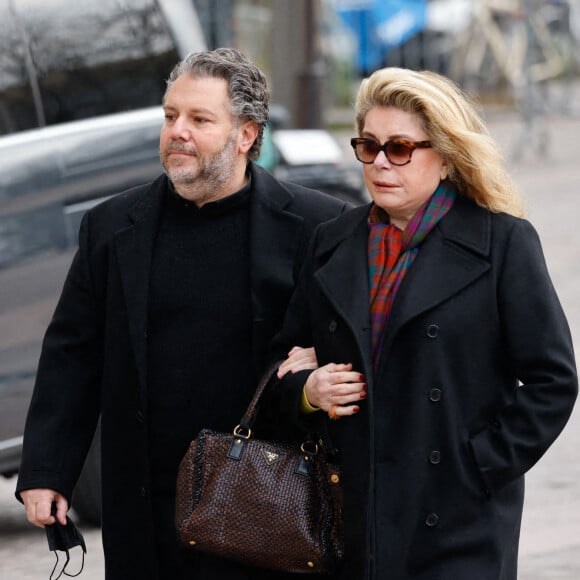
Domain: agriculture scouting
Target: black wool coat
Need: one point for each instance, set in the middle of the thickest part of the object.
(94, 354)
(476, 379)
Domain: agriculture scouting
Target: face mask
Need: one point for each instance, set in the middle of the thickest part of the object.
(63, 539)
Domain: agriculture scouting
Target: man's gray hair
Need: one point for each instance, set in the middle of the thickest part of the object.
(247, 85)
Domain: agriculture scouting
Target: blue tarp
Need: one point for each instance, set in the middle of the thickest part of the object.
(380, 25)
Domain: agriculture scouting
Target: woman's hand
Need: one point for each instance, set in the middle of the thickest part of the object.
(299, 359)
(336, 389)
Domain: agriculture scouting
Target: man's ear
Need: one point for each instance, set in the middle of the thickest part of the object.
(247, 134)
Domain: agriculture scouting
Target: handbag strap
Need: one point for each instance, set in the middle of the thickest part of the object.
(250, 415)
(242, 432)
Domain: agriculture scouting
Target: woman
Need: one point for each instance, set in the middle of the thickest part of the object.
(456, 365)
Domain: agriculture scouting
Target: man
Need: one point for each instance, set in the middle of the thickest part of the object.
(165, 318)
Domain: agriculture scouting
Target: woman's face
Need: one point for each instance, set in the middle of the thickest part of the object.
(400, 190)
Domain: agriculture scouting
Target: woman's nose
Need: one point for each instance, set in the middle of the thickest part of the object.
(381, 160)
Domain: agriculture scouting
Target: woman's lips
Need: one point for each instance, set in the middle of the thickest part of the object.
(384, 185)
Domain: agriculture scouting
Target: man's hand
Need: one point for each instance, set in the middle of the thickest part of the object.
(299, 359)
(38, 504)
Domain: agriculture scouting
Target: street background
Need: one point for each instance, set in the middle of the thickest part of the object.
(520, 57)
(550, 542)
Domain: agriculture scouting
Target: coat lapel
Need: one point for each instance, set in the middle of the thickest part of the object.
(453, 256)
(343, 278)
(134, 247)
(275, 237)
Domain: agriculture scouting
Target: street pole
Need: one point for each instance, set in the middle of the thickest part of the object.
(311, 78)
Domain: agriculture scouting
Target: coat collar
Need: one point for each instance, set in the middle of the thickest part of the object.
(454, 254)
(343, 276)
(134, 248)
(467, 225)
(275, 234)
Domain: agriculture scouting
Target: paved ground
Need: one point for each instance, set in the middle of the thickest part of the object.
(550, 545)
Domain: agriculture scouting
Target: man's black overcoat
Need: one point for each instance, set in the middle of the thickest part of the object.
(93, 357)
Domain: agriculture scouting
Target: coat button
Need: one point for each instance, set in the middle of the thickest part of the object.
(432, 520)
(332, 326)
(433, 331)
(435, 394)
(435, 457)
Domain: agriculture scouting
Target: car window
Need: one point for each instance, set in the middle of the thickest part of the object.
(62, 61)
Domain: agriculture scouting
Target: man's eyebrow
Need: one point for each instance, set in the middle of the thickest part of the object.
(190, 110)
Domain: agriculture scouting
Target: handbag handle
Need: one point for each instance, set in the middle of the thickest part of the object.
(250, 415)
(243, 431)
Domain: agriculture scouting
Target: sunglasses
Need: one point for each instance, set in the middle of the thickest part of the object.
(397, 151)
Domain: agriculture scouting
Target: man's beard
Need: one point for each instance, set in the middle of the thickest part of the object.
(212, 171)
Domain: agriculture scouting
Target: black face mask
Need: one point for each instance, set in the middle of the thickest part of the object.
(62, 539)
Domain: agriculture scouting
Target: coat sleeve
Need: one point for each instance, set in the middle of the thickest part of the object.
(65, 405)
(296, 331)
(540, 350)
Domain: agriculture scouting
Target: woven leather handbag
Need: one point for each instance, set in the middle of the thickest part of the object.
(263, 503)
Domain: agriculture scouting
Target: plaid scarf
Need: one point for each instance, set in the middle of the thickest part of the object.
(391, 253)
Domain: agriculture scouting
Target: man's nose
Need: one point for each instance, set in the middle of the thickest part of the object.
(180, 129)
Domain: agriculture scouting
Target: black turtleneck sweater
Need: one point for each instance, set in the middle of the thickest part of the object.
(199, 336)
(199, 333)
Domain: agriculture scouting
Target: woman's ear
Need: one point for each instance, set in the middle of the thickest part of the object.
(444, 171)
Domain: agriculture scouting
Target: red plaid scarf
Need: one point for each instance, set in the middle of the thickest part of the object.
(391, 253)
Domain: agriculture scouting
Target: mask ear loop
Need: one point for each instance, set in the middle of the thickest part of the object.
(66, 564)
(63, 570)
(56, 564)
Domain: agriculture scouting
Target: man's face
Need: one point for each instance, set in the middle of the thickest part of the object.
(199, 143)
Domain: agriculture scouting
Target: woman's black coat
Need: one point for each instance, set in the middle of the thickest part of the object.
(94, 353)
(476, 379)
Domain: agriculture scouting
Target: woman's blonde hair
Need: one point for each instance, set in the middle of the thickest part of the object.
(455, 130)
